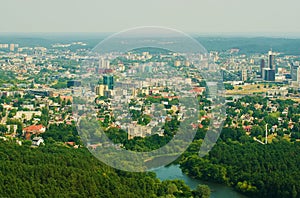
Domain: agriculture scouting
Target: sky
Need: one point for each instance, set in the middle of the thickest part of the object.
(193, 16)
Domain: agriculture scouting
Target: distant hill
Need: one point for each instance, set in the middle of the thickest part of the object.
(214, 43)
(251, 45)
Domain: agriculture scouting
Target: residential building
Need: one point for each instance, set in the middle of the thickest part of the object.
(33, 130)
(37, 141)
(135, 130)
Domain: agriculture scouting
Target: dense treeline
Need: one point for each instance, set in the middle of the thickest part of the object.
(61, 133)
(257, 170)
(58, 171)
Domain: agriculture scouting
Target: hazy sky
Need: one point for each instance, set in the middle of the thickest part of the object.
(199, 16)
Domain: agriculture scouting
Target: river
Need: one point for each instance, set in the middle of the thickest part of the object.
(217, 190)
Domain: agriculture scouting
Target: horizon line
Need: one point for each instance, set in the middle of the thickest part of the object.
(206, 34)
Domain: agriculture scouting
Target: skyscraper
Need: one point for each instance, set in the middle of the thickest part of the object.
(271, 60)
(262, 66)
(269, 72)
(109, 81)
(294, 71)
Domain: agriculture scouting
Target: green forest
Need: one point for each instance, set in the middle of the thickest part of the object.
(59, 171)
(254, 169)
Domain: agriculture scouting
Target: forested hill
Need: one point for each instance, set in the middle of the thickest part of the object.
(58, 171)
(246, 45)
(254, 169)
(251, 45)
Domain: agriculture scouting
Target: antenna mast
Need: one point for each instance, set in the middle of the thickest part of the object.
(266, 140)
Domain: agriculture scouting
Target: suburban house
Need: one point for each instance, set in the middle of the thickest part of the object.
(37, 141)
(33, 130)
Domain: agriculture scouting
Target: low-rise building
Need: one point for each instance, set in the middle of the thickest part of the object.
(37, 141)
(135, 130)
(33, 130)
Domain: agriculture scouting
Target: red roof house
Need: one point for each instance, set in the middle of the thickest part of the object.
(33, 130)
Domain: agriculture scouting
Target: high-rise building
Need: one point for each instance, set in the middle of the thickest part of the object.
(244, 75)
(271, 60)
(298, 75)
(101, 63)
(100, 90)
(187, 63)
(104, 64)
(294, 71)
(109, 81)
(262, 66)
(107, 64)
(12, 47)
(269, 74)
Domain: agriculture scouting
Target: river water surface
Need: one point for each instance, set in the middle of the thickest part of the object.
(218, 190)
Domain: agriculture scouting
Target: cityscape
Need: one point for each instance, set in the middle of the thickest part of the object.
(156, 99)
(139, 101)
